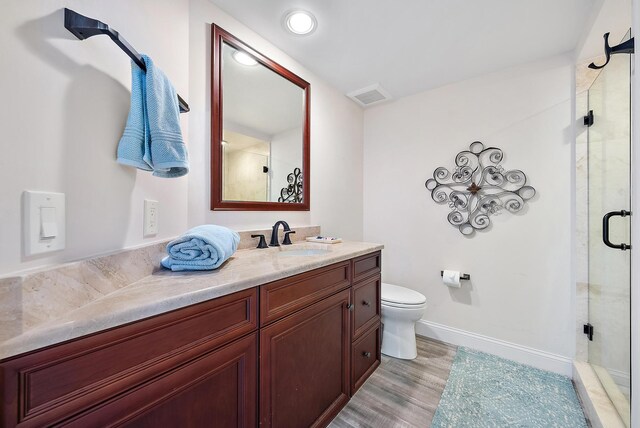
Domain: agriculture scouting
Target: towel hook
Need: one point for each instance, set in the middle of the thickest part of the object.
(626, 47)
(84, 27)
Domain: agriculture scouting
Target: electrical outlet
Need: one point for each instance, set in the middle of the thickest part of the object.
(150, 217)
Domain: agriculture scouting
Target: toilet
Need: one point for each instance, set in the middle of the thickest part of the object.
(401, 308)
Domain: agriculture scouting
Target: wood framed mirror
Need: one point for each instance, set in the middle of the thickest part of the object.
(260, 154)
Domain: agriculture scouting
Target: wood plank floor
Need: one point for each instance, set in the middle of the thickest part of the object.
(401, 393)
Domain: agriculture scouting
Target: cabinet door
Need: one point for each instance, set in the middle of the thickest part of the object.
(304, 365)
(45, 387)
(217, 389)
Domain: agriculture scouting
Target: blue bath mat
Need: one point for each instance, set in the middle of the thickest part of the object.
(487, 391)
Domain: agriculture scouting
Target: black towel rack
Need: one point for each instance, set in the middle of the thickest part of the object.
(84, 27)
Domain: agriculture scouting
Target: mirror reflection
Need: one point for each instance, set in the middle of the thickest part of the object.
(262, 135)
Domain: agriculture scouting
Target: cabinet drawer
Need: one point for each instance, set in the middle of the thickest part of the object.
(365, 357)
(44, 386)
(366, 301)
(366, 265)
(283, 297)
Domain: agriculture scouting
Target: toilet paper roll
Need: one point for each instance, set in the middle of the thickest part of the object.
(451, 278)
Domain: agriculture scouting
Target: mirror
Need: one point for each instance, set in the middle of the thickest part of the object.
(260, 131)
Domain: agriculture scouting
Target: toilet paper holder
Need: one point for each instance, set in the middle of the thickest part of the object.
(464, 276)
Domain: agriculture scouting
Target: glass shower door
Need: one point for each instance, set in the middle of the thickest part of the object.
(609, 162)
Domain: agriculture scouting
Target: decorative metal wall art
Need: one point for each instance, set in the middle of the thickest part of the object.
(293, 192)
(478, 187)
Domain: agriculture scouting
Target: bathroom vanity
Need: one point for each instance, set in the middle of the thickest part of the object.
(289, 352)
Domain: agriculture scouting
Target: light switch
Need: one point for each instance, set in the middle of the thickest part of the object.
(48, 223)
(43, 222)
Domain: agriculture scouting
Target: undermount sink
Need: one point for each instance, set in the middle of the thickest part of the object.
(304, 252)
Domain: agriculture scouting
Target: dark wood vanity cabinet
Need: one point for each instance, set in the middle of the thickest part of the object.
(289, 353)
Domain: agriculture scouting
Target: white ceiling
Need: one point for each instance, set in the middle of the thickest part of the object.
(413, 45)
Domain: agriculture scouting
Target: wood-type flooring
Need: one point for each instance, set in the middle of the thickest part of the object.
(401, 393)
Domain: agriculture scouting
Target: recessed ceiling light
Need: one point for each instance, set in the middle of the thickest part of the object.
(244, 58)
(300, 22)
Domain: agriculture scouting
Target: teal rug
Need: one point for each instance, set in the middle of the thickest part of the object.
(488, 391)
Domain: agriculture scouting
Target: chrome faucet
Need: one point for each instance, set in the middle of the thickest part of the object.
(274, 234)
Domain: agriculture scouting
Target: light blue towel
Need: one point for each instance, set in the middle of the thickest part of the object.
(201, 248)
(152, 139)
(133, 149)
(168, 151)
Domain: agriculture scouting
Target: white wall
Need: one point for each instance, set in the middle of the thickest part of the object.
(521, 289)
(607, 16)
(336, 139)
(64, 106)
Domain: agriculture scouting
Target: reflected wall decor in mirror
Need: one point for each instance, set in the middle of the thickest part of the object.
(259, 131)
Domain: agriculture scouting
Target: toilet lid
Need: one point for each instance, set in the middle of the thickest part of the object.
(396, 294)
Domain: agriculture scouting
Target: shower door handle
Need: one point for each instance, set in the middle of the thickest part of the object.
(605, 229)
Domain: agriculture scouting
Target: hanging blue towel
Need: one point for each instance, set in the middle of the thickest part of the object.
(152, 139)
(168, 151)
(201, 248)
(133, 149)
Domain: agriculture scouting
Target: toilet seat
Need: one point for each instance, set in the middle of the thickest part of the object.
(400, 297)
(403, 305)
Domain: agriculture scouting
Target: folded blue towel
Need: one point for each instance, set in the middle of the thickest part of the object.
(201, 248)
(152, 139)
(133, 149)
(168, 151)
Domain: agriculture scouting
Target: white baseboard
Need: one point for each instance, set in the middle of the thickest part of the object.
(522, 354)
(622, 379)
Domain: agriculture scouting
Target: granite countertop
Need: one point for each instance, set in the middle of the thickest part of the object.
(164, 291)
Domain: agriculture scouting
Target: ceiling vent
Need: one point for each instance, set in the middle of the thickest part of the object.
(370, 95)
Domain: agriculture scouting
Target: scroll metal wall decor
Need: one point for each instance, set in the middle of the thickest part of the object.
(478, 187)
(293, 192)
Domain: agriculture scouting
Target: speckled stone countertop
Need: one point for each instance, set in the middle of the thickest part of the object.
(159, 292)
